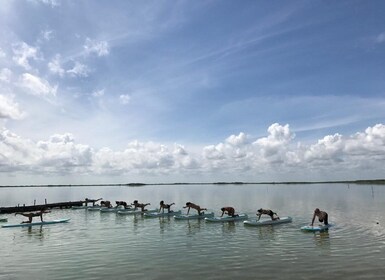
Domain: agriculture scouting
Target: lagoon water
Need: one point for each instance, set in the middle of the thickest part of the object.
(96, 245)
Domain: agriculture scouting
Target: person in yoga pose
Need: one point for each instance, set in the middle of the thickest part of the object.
(163, 206)
(194, 206)
(122, 203)
(267, 212)
(229, 211)
(140, 205)
(106, 203)
(33, 214)
(322, 217)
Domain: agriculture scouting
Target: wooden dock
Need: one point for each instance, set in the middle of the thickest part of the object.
(31, 208)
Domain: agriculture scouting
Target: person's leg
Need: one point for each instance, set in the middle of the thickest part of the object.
(326, 220)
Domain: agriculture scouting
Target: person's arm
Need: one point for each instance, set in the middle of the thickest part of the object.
(312, 221)
(223, 212)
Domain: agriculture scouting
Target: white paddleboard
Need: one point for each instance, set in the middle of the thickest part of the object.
(194, 216)
(58, 221)
(266, 222)
(95, 208)
(160, 214)
(114, 209)
(316, 228)
(85, 207)
(135, 212)
(239, 217)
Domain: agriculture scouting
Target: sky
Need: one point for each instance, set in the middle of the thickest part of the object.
(191, 91)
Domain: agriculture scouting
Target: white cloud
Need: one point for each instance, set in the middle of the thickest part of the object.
(101, 48)
(329, 148)
(55, 66)
(360, 154)
(98, 93)
(47, 35)
(380, 38)
(23, 53)
(239, 140)
(37, 86)
(2, 53)
(61, 154)
(79, 70)
(9, 108)
(274, 146)
(52, 3)
(124, 99)
(5, 75)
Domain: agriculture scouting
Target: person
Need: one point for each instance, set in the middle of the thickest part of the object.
(267, 212)
(122, 203)
(163, 206)
(228, 210)
(87, 200)
(33, 214)
(106, 203)
(140, 205)
(322, 217)
(194, 206)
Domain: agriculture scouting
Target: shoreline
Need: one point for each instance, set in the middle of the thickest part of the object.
(356, 182)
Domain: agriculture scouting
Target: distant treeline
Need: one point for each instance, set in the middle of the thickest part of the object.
(358, 182)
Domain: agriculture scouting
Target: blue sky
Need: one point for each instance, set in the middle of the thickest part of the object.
(169, 91)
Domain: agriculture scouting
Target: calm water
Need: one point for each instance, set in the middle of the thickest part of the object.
(106, 246)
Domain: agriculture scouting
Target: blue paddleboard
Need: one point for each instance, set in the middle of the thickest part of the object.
(316, 228)
(58, 221)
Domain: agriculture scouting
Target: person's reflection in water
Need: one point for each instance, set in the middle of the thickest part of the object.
(322, 239)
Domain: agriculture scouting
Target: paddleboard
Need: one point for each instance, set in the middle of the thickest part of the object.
(114, 209)
(78, 207)
(316, 228)
(84, 207)
(195, 216)
(239, 217)
(165, 214)
(137, 211)
(58, 221)
(96, 208)
(266, 222)
(3, 220)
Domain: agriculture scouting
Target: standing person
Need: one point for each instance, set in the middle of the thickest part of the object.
(33, 214)
(163, 206)
(322, 217)
(140, 205)
(228, 210)
(194, 206)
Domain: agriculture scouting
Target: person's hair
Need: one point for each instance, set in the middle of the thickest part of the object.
(223, 209)
(161, 202)
(317, 210)
(188, 203)
(135, 201)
